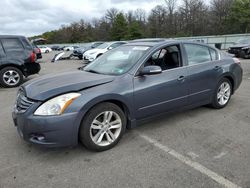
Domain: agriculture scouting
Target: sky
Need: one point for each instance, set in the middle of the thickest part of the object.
(29, 17)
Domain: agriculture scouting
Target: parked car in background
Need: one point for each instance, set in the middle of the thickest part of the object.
(92, 54)
(55, 48)
(133, 82)
(17, 60)
(81, 50)
(241, 48)
(61, 48)
(45, 49)
(68, 48)
(37, 51)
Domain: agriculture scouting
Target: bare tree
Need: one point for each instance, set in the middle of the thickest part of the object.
(220, 10)
(111, 14)
(170, 20)
(194, 14)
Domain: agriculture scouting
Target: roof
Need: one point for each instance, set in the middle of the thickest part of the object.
(12, 36)
(150, 42)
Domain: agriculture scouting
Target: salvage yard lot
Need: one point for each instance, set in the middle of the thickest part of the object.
(155, 154)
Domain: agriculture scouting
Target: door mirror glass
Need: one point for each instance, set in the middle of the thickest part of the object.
(151, 70)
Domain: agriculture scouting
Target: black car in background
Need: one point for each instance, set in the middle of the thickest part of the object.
(17, 59)
(241, 48)
(55, 48)
(80, 51)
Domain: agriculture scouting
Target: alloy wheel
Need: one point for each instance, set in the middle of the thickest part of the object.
(11, 77)
(224, 93)
(105, 128)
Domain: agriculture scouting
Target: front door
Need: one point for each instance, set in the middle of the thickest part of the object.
(155, 94)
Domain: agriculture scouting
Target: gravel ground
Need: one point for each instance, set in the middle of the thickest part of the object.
(197, 148)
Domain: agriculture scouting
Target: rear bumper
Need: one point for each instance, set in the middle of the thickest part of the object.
(238, 74)
(31, 68)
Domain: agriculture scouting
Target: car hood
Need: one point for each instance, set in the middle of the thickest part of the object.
(49, 86)
(239, 45)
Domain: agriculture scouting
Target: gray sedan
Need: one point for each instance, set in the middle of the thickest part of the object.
(136, 81)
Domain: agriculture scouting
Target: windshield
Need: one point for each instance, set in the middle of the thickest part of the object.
(104, 45)
(117, 61)
(243, 41)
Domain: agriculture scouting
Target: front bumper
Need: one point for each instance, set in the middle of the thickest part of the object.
(89, 58)
(49, 131)
(235, 51)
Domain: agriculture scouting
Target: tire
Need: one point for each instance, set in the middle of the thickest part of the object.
(222, 94)
(11, 77)
(244, 55)
(98, 55)
(96, 136)
(80, 57)
(47, 51)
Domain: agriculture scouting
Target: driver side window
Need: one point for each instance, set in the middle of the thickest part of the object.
(167, 58)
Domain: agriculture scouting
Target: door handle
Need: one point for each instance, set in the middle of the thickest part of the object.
(217, 67)
(181, 78)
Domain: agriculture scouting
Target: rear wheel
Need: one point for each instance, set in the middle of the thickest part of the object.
(11, 77)
(103, 127)
(222, 94)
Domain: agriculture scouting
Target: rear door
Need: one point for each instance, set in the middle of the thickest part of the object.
(203, 69)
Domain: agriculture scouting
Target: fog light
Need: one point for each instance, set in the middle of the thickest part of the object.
(38, 137)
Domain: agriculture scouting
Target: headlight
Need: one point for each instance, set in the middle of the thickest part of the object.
(246, 48)
(57, 105)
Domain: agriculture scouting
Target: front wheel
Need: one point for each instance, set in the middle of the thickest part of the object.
(11, 77)
(103, 127)
(222, 94)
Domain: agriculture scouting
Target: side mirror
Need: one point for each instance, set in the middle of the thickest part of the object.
(110, 48)
(151, 70)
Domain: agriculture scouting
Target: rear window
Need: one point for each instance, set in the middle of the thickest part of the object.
(197, 54)
(26, 43)
(12, 45)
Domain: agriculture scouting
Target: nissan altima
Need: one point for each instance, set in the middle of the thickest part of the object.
(136, 81)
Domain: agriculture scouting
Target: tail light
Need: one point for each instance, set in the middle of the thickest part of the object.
(33, 57)
(236, 60)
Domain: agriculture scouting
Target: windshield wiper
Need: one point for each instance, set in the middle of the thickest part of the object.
(93, 71)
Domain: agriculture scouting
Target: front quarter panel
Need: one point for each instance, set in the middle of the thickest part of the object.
(121, 89)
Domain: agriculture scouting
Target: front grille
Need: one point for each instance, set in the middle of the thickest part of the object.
(22, 102)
